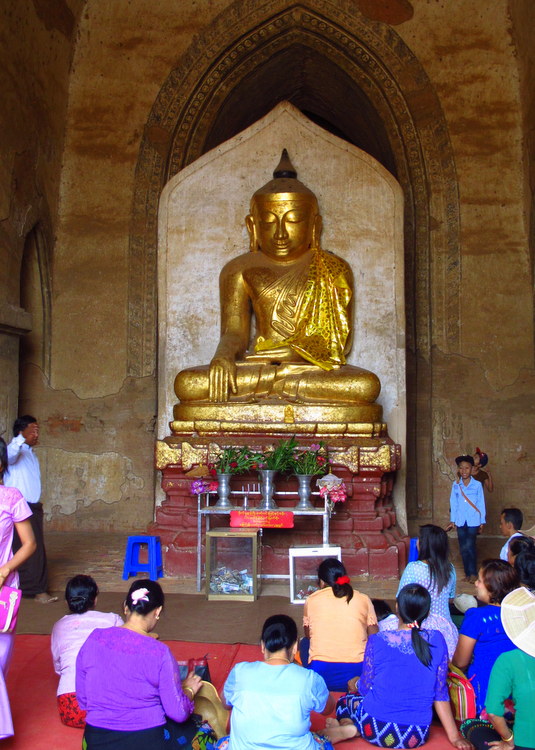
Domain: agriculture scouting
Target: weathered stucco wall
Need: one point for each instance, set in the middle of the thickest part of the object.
(106, 465)
(98, 424)
(482, 393)
(36, 45)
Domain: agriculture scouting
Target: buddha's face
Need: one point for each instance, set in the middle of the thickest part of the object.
(283, 229)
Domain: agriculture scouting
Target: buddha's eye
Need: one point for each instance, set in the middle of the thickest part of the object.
(294, 217)
(266, 217)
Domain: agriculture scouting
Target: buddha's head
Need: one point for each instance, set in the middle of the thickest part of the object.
(284, 221)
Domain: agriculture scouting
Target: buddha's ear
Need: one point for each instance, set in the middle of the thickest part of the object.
(316, 231)
(251, 228)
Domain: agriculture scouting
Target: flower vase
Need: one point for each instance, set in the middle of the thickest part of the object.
(304, 491)
(267, 487)
(223, 492)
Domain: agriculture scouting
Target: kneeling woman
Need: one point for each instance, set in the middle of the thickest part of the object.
(129, 683)
(403, 678)
(337, 619)
(68, 636)
(271, 700)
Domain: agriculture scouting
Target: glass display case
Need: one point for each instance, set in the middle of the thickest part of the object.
(232, 564)
(304, 562)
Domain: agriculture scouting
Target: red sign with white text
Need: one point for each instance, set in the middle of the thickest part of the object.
(266, 519)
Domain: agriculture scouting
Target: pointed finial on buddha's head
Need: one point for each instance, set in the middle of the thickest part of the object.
(285, 185)
(285, 168)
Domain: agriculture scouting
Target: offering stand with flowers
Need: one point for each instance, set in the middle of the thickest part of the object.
(364, 526)
(255, 517)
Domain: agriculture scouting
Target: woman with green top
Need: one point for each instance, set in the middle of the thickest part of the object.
(513, 674)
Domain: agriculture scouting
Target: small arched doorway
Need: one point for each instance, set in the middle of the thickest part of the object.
(35, 298)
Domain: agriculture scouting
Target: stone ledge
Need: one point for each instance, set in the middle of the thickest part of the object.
(14, 319)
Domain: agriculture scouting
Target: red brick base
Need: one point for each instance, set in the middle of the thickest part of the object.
(364, 526)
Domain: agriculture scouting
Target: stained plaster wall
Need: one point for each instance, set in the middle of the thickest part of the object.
(483, 393)
(98, 431)
(36, 46)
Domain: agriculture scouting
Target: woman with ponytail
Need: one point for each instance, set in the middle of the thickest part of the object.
(68, 636)
(434, 571)
(129, 683)
(403, 679)
(271, 700)
(337, 620)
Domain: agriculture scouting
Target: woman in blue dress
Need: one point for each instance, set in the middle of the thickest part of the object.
(434, 571)
(271, 700)
(483, 637)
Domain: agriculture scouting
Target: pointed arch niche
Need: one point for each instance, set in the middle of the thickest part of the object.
(356, 78)
(35, 298)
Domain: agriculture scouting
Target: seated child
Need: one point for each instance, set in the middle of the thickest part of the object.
(518, 544)
(525, 567)
(386, 619)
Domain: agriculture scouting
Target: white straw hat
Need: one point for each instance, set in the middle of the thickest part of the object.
(518, 618)
(463, 602)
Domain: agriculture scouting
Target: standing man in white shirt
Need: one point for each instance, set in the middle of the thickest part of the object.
(24, 473)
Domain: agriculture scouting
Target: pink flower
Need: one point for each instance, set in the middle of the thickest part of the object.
(315, 447)
(198, 486)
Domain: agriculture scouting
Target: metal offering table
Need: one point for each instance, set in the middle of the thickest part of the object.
(304, 563)
(206, 511)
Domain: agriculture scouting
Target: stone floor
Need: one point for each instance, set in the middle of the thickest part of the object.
(101, 555)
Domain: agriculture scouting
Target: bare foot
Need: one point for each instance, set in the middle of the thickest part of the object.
(341, 732)
(45, 598)
(330, 721)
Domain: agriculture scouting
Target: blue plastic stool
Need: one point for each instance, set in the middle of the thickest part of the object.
(413, 549)
(153, 566)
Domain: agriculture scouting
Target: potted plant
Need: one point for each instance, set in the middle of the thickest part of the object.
(231, 460)
(307, 463)
(269, 462)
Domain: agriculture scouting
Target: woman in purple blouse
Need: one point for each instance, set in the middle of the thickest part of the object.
(403, 679)
(129, 683)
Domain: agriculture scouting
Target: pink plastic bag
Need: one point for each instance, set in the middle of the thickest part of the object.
(9, 608)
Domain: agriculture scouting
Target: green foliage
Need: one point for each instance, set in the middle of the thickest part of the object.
(234, 460)
(278, 458)
(312, 460)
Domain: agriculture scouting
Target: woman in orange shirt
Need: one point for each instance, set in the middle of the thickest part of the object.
(337, 620)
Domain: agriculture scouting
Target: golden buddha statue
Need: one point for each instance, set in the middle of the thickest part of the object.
(294, 370)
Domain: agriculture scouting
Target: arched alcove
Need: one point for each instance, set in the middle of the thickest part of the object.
(35, 298)
(357, 78)
(315, 85)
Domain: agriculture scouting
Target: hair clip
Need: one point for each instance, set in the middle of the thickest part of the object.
(140, 595)
(342, 579)
(413, 624)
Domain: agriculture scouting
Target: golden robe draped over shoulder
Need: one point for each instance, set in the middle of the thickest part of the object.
(322, 322)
